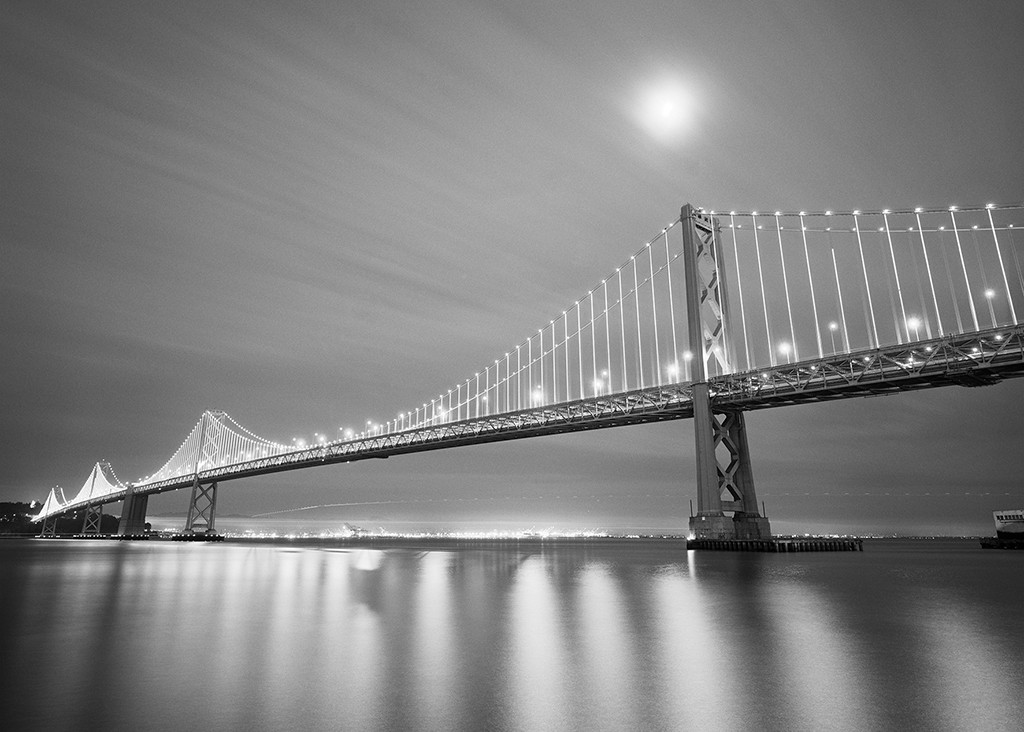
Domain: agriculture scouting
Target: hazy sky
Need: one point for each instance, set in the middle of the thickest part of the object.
(314, 214)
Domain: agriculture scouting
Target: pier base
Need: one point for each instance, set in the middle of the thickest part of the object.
(133, 514)
(777, 545)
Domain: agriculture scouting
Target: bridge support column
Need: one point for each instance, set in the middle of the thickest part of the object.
(93, 519)
(202, 508)
(715, 434)
(133, 513)
(49, 529)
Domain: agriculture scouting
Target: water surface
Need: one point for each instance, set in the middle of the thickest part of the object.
(594, 635)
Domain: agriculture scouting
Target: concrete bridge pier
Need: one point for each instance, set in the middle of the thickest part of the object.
(133, 513)
(725, 481)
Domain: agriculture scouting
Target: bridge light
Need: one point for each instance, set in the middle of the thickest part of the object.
(952, 208)
(886, 212)
(856, 213)
(990, 205)
(918, 209)
(828, 213)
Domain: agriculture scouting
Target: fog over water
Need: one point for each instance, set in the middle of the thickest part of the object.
(591, 635)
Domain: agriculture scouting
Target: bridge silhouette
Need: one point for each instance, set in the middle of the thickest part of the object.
(717, 315)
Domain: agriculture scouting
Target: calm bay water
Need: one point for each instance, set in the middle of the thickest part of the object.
(590, 635)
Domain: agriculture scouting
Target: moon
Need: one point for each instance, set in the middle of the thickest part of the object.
(667, 110)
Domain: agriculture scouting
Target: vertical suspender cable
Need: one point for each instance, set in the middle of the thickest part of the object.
(963, 265)
(839, 296)
(607, 333)
(543, 394)
(984, 278)
(785, 285)
(949, 280)
(519, 378)
(639, 341)
(867, 285)
(593, 341)
(1002, 268)
(654, 312)
(724, 357)
(918, 281)
(622, 331)
(928, 269)
(671, 307)
(896, 274)
(565, 347)
(739, 287)
(810, 281)
(1016, 259)
(764, 300)
(579, 346)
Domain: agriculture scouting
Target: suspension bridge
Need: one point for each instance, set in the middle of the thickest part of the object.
(716, 315)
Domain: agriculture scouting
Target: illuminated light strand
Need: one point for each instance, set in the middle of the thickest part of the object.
(739, 287)
(764, 300)
(928, 269)
(785, 285)
(896, 275)
(963, 265)
(1002, 267)
(867, 285)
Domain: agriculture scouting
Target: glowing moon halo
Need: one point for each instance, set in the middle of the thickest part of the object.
(666, 110)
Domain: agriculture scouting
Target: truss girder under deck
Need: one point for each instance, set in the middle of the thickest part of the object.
(961, 359)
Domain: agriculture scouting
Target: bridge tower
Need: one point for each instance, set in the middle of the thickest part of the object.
(725, 481)
(202, 506)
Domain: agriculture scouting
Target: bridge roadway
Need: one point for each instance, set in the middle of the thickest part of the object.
(974, 359)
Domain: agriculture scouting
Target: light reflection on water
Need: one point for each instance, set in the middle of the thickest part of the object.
(528, 636)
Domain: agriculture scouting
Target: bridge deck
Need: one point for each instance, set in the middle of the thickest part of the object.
(975, 359)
